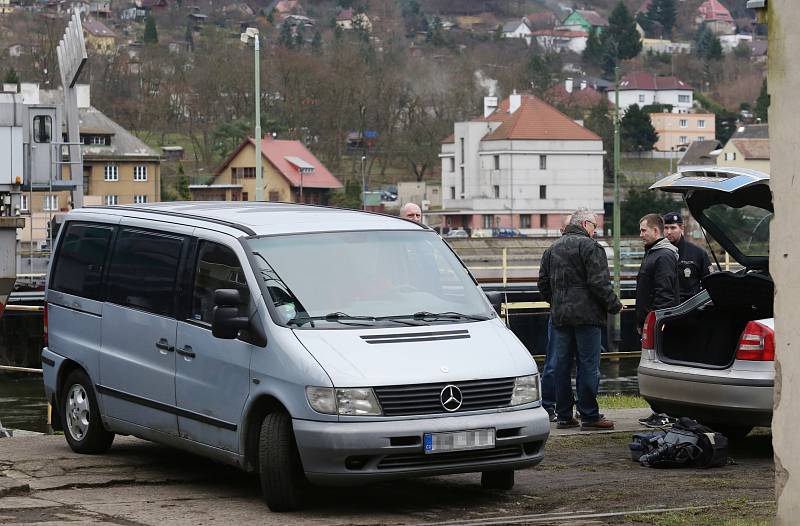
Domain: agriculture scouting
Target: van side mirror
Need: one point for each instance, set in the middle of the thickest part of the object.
(496, 299)
(226, 322)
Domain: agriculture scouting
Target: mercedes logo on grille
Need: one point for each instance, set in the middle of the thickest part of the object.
(451, 398)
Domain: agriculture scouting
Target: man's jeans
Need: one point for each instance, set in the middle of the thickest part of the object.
(581, 343)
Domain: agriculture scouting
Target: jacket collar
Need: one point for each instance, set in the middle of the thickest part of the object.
(575, 230)
(661, 243)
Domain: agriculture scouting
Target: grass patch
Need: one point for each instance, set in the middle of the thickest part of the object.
(621, 401)
(731, 512)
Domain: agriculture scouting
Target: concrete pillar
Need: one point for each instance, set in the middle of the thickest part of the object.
(784, 85)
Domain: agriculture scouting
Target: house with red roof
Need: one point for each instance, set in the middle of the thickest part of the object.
(522, 164)
(646, 88)
(716, 17)
(577, 96)
(290, 172)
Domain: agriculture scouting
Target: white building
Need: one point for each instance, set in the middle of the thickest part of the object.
(558, 40)
(517, 29)
(660, 45)
(523, 164)
(646, 88)
(729, 42)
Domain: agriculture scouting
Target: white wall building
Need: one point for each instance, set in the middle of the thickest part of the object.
(646, 88)
(558, 40)
(523, 164)
(517, 29)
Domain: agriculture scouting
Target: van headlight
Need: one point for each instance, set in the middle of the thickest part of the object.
(526, 390)
(357, 401)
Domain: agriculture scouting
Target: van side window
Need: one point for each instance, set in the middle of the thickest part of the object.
(143, 271)
(217, 268)
(80, 261)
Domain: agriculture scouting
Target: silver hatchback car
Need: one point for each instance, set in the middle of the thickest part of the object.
(712, 357)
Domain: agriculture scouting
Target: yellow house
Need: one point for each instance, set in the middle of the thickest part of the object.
(291, 173)
(99, 37)
(676, 131)
(748, 147)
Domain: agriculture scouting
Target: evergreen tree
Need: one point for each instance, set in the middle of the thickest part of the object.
(11, 77)
(316, 42)
(542, 72)
(286, 39)
(434, 34)
(703, 40)
(150, 31)
(498, 33)
(299, 36)
(664, 13)
(762, 103)
(715, 50)
(190, 36)
(637, 203)
(620, 39)
(593, 53)
(600, 122)
(636, 131)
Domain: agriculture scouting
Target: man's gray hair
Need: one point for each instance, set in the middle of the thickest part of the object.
(582, 214)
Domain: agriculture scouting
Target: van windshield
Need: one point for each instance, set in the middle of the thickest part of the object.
(366, 278)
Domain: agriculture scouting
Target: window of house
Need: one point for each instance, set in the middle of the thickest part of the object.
(462, 150)
(23, 203)
(542, 191)
(452, 192)
(452, 164)
(730, 156)
(496, 162)
(139, 199)
(274, 195)
(112, 200)
(524, 220)
(50, 203)
(543, 220)
(96, 140)
(42, 128)
(701, 123)
(496, 191)
(683, 123)
(683, 139)
(543, 162)
(463, 189)
(140, 172)
(683, 98)
(111, 172)
(81, 259)
(701, 137)
(245, 196)
(217, 268)
(641, 98)
(488, 221)
(144, 271)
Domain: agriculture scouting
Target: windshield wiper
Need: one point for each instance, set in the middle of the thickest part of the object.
(339, 317)
(437, 316)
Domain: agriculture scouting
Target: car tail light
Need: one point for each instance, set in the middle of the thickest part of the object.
(757, 343)
(44, 329)
(649, 331)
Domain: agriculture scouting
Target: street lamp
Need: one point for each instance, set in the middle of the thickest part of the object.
(252, 32)
(363, 181)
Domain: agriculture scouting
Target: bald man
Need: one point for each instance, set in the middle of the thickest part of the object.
(412, 212)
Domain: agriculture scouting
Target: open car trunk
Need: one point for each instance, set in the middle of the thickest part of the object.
(708, 336)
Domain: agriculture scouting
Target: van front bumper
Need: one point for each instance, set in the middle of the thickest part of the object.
(341, 453)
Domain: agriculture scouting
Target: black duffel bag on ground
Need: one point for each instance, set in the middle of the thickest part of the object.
(686, 444)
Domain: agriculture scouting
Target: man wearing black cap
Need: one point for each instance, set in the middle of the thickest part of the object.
(693, 262)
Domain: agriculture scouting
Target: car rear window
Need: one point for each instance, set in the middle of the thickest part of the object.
(81, 259)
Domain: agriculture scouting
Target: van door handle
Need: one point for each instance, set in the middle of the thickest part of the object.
(164, 346)
(187, 352)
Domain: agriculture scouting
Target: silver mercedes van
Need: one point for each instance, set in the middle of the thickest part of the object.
(308, 344)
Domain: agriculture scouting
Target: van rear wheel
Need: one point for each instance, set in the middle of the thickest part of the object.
(502, 479)
(279, 468)
(80, 416)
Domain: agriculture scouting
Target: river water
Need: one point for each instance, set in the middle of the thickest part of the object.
(23, 406)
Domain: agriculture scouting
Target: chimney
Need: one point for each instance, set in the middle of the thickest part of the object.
(514, 101)
(489, 105)
(583, 84)
(568, 84)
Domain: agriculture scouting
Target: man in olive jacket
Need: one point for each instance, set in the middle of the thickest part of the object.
(574, 279)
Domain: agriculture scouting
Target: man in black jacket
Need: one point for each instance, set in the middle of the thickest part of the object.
(657, 282)
(574, 279)
(693, 262)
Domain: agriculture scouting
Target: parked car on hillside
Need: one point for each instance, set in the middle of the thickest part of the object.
(712, 357)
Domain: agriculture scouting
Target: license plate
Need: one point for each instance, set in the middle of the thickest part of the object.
(458, 440)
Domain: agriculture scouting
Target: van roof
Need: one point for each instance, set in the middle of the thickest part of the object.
(261, 218)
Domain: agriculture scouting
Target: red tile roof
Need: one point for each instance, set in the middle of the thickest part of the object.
(535, 120)
(712, 10)
(559, 33)
(97, 28)
(648, 81)
(585, 98)
(276, 152)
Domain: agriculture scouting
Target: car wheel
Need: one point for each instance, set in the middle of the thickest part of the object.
(502, 479)
(732, 432)
(80, 416)
(279, 467)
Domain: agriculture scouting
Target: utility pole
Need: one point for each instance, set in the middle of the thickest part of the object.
(364, 181)
(617, 259)
(259, 180)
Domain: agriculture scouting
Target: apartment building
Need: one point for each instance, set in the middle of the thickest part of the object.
(676, 131)
(646, 88)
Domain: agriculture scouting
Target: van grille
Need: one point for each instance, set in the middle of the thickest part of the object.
(421, 399)
(421, 460)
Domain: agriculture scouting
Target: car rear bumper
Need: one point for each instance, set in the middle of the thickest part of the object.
(745, 401)
(393, 449)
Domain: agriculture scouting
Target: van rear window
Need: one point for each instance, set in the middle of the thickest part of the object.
(80, 261)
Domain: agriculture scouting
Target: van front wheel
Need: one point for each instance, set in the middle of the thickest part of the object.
(279, 467)
(80, 416)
